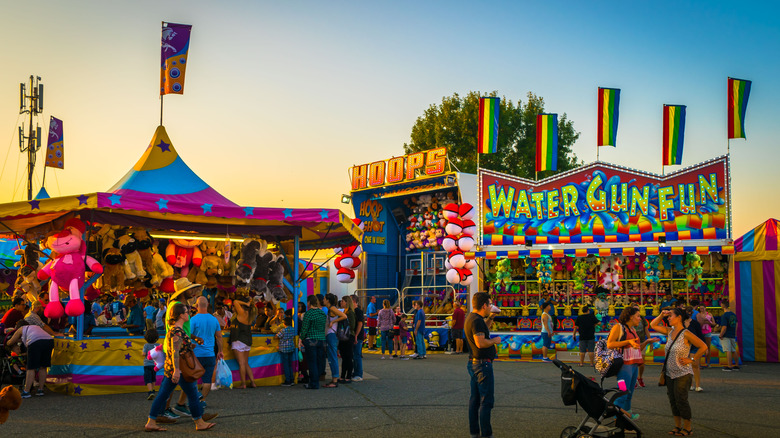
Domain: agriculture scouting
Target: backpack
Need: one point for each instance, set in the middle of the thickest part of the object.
(608, 362)
(343, 330)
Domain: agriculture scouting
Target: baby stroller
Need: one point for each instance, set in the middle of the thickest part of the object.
(603, 419)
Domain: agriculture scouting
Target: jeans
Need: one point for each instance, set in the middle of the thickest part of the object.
(629, 373)
(387, 341)
(345, 348)
(357, 359)
(481, 399)
(333, 358)
(677, 390)
(419, 340)
(314, 350)
(287, 366)
(166, 388)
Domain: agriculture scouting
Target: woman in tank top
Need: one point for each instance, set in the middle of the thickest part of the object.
(624, 338)
(678, 370)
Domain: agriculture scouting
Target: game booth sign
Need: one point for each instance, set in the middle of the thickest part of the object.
(400, 202)
(162, 198)
(637, 234)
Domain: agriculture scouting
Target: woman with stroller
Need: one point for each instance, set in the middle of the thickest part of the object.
(624, 338)
(677, 369)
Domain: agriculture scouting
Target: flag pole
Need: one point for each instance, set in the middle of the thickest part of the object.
(161, 109)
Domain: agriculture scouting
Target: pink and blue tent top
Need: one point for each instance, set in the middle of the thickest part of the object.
(756, 292)
(160, 192)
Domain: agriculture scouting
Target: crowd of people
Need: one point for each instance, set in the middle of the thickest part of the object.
(334, 330)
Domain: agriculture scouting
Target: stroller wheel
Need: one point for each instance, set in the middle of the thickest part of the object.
(569, 432)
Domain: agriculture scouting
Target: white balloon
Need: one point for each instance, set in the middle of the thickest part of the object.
(450, 211)
(457, 260)
(447, 264)
(466, 211)
(453, 277)
(454, 227)
(470, 264)
(449, 243)
(465, 243)
(469, 227)
(358, 251)
(467, 281)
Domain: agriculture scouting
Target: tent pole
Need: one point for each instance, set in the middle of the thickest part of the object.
(296, 288)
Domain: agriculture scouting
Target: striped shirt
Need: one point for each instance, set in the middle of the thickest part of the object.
(313, 325)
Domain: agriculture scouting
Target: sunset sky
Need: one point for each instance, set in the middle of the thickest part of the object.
(281, 98)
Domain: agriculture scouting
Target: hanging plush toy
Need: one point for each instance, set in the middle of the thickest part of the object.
(651, 269)
(693, 271)
(27, 273)
(544, 270)
(503, 271)
(114, 271)
(134, 269)
(67, 269)
(581, 268)
(460, 231)
(181, 252)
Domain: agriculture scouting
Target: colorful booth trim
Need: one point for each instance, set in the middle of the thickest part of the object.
(756, 293)
(115, 365)
(603, 252)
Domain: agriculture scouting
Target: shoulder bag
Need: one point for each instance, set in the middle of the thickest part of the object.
(190, 366)
(662, 378)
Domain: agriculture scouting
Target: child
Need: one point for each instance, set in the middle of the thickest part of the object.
(287, 349)
(150, 376)
(404, 332)
(16, 361)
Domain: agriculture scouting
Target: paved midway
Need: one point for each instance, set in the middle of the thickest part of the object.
(412, 399)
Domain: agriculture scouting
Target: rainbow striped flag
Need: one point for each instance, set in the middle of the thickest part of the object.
(487, 136)
(546, 142)
(674, 131)
(738, 92)
(609, 103)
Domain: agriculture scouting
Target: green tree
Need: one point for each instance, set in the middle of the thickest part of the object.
(454, 123)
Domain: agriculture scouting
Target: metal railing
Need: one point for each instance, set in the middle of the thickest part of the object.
(393, 298)
(407, 299)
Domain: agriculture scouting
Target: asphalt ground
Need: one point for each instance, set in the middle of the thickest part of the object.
(416, 398)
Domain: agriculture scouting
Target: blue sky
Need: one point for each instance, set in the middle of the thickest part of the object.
(281, 98)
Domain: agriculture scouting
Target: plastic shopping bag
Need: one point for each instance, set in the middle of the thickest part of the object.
(224, 375)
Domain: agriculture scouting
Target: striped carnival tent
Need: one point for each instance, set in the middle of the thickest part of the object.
(756, 287)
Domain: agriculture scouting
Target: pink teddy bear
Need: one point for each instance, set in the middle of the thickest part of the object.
(158, 356)
(67, 269)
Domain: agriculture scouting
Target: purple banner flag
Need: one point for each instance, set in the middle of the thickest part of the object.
(55, 151)
(173, 55)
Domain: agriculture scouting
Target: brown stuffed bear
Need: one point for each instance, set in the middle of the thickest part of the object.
(134, 267)
(10, 400)
(144, 245)
(113, 270)
(213, 264)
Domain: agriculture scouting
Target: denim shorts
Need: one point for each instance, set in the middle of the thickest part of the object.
(150, 376)
(546, 340)
(209, 363)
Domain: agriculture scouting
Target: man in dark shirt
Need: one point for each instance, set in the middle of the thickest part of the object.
(14, 314)
(586, 324)
(458, 322)
(482, 352)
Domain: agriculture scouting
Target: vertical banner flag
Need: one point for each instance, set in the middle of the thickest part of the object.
(487, 136)
(55, 151)
(546, 142)
(173, 54)
(738, 93)
(674, 131)
(609, 104)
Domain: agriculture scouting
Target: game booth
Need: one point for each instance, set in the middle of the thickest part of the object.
(158, 223)
(756, 288)
(639, 235)
(400, 202)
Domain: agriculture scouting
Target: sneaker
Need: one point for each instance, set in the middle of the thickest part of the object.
(634, 416)
(40, 392)
(735, 368)
(392, 357)
(182, 410)
(413, 355)
(417, 357)
(383, 358)
(692, 388)
(699, 389)
(726, 369)
(404, 358)
(357, 379)
(641, 383)
(26, 394)
(546, 359)
(395, 355)
(168, 413)
(287, 384)
(150, 396)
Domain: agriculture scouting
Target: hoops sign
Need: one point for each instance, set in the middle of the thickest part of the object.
(399, 169)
